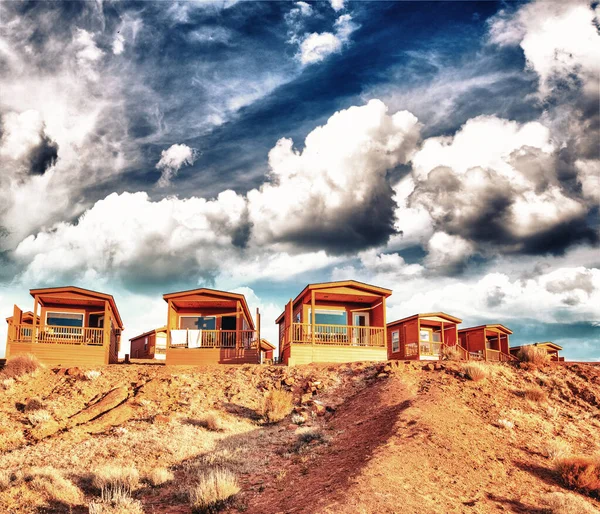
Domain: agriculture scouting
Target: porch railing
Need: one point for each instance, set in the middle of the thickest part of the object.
(430, 348)
(337, 335)
(52, 334)
(186, 338)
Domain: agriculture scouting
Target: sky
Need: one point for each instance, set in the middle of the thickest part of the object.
(448, 151)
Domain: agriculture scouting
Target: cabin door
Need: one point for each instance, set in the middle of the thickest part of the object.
(228, 338)
(360, 335)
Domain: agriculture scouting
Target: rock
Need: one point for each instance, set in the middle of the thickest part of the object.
(60, 371)
(437, 366)
(298, 410)
(306, 398)
(319, 409)
(289, 381)
(382, 375)
(44, 430)
(112, 418)
(428, 367)
(387, 369)
(75, 372)
(160, 419)
(108, 402)
(291, 427)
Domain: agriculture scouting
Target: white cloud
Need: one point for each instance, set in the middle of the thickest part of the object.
(118, 45)
(560, 41)
(589, 178)
(171, 161)
(315, 47)
(337, 5)
(305, 9)
(447, 252)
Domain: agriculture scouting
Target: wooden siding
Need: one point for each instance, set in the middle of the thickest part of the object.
(305, 354)
(61, 355)
(199, 356)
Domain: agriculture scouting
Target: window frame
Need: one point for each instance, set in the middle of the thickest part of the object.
(396, 343)
(79, 313)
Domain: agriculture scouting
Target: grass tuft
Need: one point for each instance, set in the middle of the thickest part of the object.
(277, 404)
(159, 476)
(567, 503)
(533, 354)
(535, 394)
(476, 371)
(123, 505)
(49, 483)
(214, 491)
(580, 473)
(115, 482)
(19, 366)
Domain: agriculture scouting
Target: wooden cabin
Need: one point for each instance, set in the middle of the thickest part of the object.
(206, 326)
(551, 348)
(149, 345)
(423, 336)
(334, 322)
(486, 342)
(69, 326)
(266, 352)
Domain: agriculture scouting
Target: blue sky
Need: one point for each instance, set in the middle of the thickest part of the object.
(446, 150)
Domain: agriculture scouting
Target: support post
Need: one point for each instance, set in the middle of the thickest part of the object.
(443, 342)
(34, 337)
(260, 359)
(418, 338)
(106, 333)
(237, 324)
(312, 317)
(384, 318)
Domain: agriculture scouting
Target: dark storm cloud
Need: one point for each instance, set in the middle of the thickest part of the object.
(43, 156)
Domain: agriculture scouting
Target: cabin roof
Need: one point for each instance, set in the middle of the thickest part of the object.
(86, 292)
(442, 315)
(153, 331)
(28, 314)
(266, 345)
(497, 326)
(548, 344)
(350, 283)
(213, 292)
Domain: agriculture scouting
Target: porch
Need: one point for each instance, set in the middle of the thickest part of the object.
(337, 335)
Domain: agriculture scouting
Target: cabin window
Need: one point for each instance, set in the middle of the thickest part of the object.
(145, 344)
(425, 335)
(64, 319)
(325, 317)
(198, 322)
(395, 341)
(437, 337)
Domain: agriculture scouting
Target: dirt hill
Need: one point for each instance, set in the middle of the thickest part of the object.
(363, 438)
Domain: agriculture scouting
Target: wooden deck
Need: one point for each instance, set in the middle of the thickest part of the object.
(61, 355)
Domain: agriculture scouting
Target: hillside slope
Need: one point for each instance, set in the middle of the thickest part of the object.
(402, 438)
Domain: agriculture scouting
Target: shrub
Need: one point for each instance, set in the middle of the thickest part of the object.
(123, 505)
(307, 437)
(20, 365)
(476, 371)
(451, 353)
(298, 419)
(277, 404)
(33, 404)
(580, 473)
(214, 491)
(38, 417)
(212, 421)
(115, 482)
(567, 503)
(50, 483)
(556, 449)
(159, 476)
(533, 354)
(92, 374)
(535, 394)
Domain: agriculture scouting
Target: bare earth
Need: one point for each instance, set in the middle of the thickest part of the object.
(393, 437)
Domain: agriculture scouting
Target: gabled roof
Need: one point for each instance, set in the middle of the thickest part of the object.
(497, 326)
(27, 314)
(85, 292)
(266, 345)
(351, 283)
(546, 344)
(153, 331)
(442, 315)
(213, 292)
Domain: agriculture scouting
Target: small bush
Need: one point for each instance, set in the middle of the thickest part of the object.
(33, 404)
(581, 474)
(4, 479)
(50, 483)
(476, 371)
(92, 374)
(306, 438)
(505, 423)
(123, 505)
(20, 365)
(535, 394)
(159, 476)
(37, 417)
(451, 353)
(567, 503)
(214, 490)
(298, 419)
(213, 422)
(277, 404)
(556, 449)
(533, 354)
(115, 482)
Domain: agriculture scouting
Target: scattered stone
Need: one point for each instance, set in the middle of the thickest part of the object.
(382, 375)
(44, 430)
(160, 419)
(108, 402)
(428, 367)
(306, 398)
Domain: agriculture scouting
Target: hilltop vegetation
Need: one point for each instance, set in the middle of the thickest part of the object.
(390, 437)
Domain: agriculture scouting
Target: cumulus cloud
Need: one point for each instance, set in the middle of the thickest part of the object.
(171, 161)
(334, 193)
(316, 47)
(337, 5)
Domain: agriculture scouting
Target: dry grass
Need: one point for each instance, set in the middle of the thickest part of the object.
(476, 371)
(567, 503)
(277, 404)
(535, 394)
(159, 476)
(212, 422)
(580, 473)
(123, 505)
(33, 404)
(306, 438)
(556, 449)
(49, 483)
(4, 479)
(38, 417)
(20, 365)
(214, 490)
(451, 353)
(533, 354)
(115, 482)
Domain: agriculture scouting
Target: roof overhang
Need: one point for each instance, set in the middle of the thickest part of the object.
(495, 326)
(441, 315)
(71, 295)
(150, 332)
(265, 345)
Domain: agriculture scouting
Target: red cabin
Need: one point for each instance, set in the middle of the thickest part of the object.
(486, 342)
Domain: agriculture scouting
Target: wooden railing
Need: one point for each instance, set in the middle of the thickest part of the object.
(337, 335)
(213, 338)
(476, 356)
(52, 334)
(430, 348)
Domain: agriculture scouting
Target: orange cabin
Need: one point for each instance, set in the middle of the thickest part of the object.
(551, 348)
(206, 326)
(422, 336)
(74, 327)
(266, 352)
(334, 322)
(149, 345)
(486, 342)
